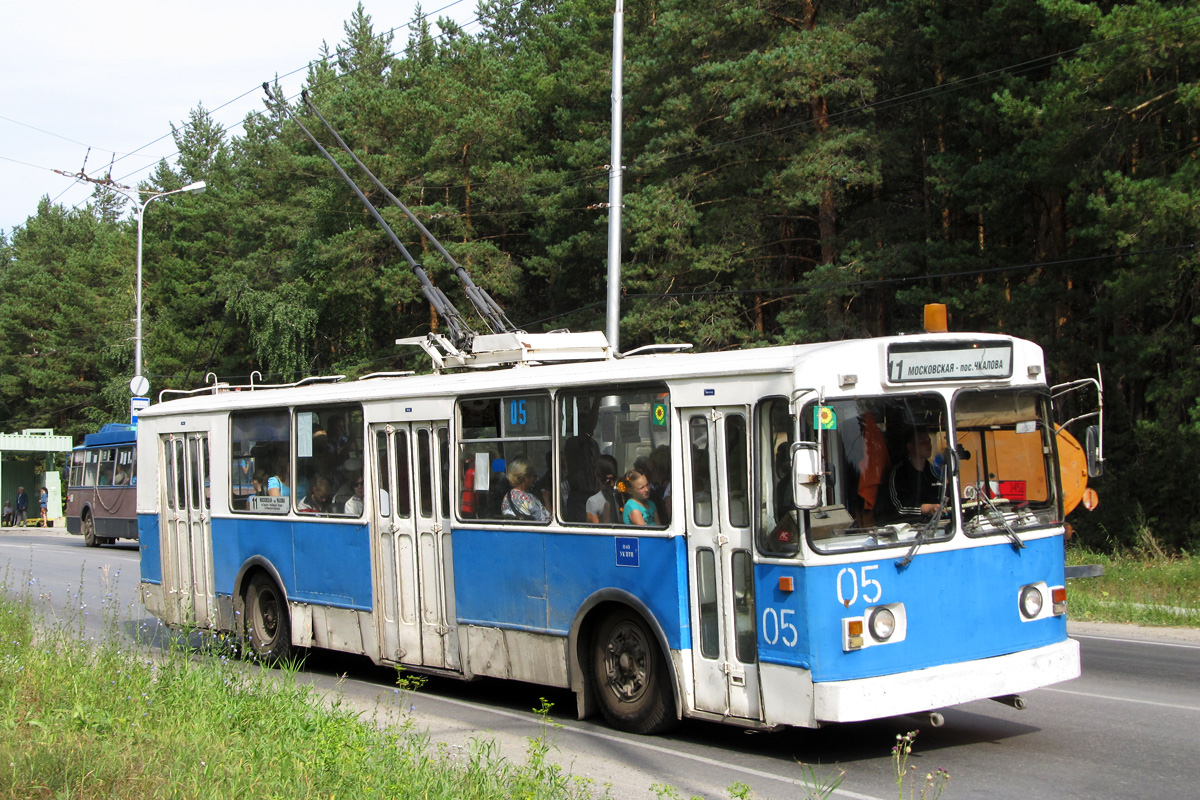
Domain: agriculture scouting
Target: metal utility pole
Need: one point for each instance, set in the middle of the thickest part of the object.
(139, 385)
(613, 326)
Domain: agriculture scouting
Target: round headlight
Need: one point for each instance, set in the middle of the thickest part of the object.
(1031, 601)
(882, 624)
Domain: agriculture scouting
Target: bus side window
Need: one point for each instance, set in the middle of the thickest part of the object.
(107, 458)
(90, 465)
(75, 477)
(259, 461)
(778, 528)
(329, 456)
(603, 433)
(124, 470)
(506, 434)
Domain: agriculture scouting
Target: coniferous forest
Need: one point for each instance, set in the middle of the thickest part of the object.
(796, 170)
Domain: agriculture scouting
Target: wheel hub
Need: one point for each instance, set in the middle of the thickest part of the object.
(625, 663)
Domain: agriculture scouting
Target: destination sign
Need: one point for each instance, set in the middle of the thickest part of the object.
(949, 361)
(268, 504)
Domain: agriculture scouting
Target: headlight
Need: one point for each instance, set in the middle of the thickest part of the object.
(882, 624)
(1031, 602)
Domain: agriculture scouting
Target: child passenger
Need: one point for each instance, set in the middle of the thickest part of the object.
(639, 508)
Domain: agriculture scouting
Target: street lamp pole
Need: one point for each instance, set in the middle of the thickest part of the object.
(139, 385)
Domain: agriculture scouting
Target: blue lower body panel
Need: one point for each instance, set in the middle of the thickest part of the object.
(323, 563)
(150, 547)
(961, 605)
(537, 580)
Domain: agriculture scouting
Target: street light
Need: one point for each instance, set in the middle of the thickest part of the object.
(140, 384)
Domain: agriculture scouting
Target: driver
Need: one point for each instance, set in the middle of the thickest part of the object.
(914, 487)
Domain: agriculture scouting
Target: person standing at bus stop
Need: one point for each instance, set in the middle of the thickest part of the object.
(44, 503)
(22, 507)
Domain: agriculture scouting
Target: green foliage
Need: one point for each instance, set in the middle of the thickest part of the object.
(795, 172)
(91, 718)
(1141, 585)
(67, 319)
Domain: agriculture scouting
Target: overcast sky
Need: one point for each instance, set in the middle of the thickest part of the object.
(115, 76)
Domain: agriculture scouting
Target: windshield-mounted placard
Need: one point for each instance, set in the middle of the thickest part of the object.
(945, 361)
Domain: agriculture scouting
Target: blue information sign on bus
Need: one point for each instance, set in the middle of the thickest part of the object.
(627, 551)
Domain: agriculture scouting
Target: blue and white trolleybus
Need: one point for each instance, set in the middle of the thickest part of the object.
(841, 531)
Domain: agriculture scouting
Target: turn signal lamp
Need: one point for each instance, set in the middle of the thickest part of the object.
(853, 638)
(1058, 596)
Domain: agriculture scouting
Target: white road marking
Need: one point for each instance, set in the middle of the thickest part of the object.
(643, 745)
(1135, 641)
(1122, 699)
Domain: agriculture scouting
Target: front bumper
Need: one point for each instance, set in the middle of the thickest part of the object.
(947, 685)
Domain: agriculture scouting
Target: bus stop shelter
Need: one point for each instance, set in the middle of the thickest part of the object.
(28, 459)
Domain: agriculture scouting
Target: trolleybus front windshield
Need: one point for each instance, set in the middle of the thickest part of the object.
(1007, 481)
(884, 472)
(890, 476)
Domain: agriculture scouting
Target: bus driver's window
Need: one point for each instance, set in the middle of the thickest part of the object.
(778, 526)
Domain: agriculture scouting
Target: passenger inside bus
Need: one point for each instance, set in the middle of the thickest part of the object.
(318, 497)
(277, 484)
(354, 505)
(639, 508)
(603, 506)
(337, 440)
(519, 502)
(580, 455)
(259, 482)
(659, 475)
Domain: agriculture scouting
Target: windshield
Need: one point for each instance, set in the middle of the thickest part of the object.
(884, 463)
(890, 478)
(1006, 469)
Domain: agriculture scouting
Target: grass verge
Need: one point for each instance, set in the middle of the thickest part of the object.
(89, 719)
(1142, 587)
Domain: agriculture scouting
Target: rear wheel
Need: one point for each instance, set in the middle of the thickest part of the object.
(631, 679)
(268, 632)
(89, 531)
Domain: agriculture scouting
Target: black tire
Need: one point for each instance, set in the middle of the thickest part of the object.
(630, 676)
(89, 532)
(268, 631)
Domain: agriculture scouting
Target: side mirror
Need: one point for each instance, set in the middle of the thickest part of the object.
(1094, 448)
(806, 475)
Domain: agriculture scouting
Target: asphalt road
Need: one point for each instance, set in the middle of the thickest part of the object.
(1129, 727)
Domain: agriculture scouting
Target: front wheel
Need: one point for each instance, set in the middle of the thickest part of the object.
(89, 531)
(631, 678)
(268, 632)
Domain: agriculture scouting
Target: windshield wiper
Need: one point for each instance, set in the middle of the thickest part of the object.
(930, 526)
(998, 520)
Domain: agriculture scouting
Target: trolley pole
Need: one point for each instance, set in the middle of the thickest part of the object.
(613, 326)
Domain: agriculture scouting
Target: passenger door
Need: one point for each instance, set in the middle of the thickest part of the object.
(413, 562)
(720, 561)
(187, 529)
